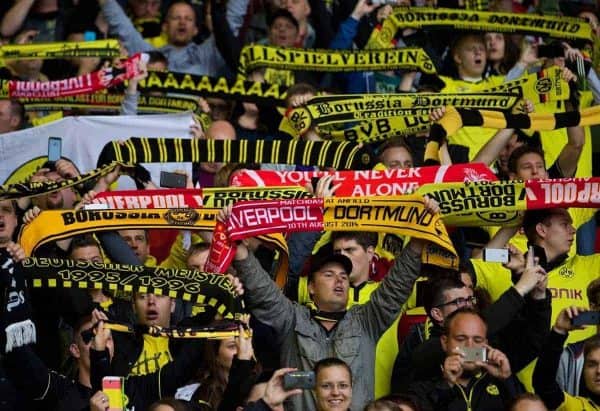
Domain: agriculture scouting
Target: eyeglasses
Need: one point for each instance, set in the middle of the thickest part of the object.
(460, 302)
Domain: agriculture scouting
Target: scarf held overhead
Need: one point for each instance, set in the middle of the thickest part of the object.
(96, 48)
(498, 202)
(404, 215)
(190, 285)
(327, 110)
(84, 84)
(541, 87)
(339, 155)
(490, 21)
(112, 103)
(256, 56)
(206, 86)
(368, 182)
(195, 198)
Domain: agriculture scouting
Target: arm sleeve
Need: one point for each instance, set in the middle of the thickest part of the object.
(228, 44)
(32, 378)
(385, 302)
(322, 23)
(266, 302)
(300, 247)
(119, 23)
(116, 248)
(594, 83)
(99, 368)
(544, 375)
(503, 311)
(345, 35)
(236, 11)
(514, 73)
(129, 105)
(235, 392)
(524, 337)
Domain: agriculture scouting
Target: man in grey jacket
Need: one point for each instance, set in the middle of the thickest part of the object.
(180, 28)
(306, 336)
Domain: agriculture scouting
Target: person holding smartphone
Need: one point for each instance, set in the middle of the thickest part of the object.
(544, 381)
(476, 376)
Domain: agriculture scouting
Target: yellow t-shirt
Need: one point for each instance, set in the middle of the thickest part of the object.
(572, 403)
(580, 216)
(567, 284)
(474, 138)
(387, 347)
(155, 355)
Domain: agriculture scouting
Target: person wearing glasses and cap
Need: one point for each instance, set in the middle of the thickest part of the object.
(517, 323)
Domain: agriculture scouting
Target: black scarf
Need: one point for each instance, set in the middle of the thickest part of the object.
(20, 330)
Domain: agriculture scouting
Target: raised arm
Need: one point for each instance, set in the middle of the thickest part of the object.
(14, 17)
(544, 375)
(121, 25)
(263, 298)
(385, 302)
(569, 156)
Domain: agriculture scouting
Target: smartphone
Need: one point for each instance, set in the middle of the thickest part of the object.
(113, 388)
(54, 149)
(587, 318)
(95, 206)
(172, 180)
(304, 380)
(89, 35)
(473, 354)
(496, 255)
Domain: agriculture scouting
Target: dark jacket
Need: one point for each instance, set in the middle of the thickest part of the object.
(483, 393)
(146, 389)
(516, 326)
(35, 381)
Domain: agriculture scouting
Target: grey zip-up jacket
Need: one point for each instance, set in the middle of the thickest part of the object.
(304, 341)
(200, 59)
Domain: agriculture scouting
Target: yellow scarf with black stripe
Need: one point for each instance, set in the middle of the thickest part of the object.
(339, 155)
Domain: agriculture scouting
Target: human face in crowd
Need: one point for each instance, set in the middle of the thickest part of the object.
(138, 241)
(145, 9)
(180, 24)
(529, 405)
(89, 253)
(506, 151)
(283, 33)
(56, 200)
(197, 260)
(494, 44)
(300, 9)
(466, 330)
(227, 350)
(7, 120)
(530, 166)
(218, 130)
(329, 287)
(361, 258)
(454, 299)
(397, 158)
(8, 222)
(591, 371)
(470, 58)
(333, 389)
(81, 351)
(153, 309)
(557, 233)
